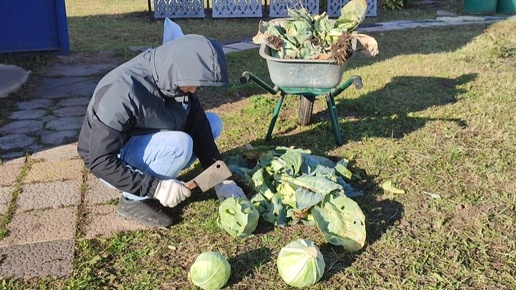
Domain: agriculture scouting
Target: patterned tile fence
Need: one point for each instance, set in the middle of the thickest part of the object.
(247, 8)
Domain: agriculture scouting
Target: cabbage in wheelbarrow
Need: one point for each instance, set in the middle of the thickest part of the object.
(316, 37)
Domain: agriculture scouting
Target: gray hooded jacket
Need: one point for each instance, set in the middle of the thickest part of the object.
(141, 97)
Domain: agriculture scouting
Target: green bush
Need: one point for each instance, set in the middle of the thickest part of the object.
(393, 4)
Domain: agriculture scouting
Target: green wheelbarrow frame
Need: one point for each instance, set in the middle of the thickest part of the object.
(307, 78)
(312, 93)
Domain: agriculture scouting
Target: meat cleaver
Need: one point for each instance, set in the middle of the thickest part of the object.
(210, 177)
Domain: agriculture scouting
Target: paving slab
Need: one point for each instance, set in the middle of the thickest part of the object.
(461, 18)
(12, 155)
(98, 192)
(9, 173)
(55, 171)
(35, 104)
(65, 123)
(14, 141)
(77, 69)
(53, 259)
(60, 153)
(74, 101)
(21, 127)
(372, 29)
(423, 24)
(229, 50)
(58, 137)
(45, 195)
(35, 147)
(47, 118)
(28, 114)
(393, 27)
(241, 46)
(6, 193)
(14, 161)
(11, 79)
(75, 111)
(102, 220)
(41, 226)
(55, 88)
(445, 13)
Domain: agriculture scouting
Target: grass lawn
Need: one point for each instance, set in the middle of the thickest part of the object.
(435, 117)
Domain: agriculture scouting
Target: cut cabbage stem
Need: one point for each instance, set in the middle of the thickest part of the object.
(311, 251)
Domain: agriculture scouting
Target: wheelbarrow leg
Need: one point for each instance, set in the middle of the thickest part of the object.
(330, 101)
(275, 116)
(355, 80)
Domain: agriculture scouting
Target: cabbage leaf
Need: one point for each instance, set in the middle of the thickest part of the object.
(291, 185)
(341, 221)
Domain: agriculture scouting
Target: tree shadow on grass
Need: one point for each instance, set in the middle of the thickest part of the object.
(244, 264)
(389, 111)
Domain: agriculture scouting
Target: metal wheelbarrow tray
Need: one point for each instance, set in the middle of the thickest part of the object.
(302, 75)
(307, 78)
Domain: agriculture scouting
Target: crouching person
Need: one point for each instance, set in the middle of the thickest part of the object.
(144, 124)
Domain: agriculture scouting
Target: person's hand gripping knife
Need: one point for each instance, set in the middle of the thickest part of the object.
(171, 192)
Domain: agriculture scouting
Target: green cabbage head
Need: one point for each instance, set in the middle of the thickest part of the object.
(300, 263)
(238, 217)
(210, 271)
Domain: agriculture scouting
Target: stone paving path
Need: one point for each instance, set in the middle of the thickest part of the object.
(49, 197)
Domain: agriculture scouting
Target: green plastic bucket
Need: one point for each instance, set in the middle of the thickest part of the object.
(480, 6)
(506, 6)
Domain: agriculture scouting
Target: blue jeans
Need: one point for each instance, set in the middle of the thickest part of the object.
(163, 154)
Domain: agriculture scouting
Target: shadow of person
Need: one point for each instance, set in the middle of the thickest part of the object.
(244, 264)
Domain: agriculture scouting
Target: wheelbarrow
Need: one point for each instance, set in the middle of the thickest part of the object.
(307, 79)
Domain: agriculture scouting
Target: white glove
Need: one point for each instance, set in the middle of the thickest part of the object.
(171, 192)
(227, 189)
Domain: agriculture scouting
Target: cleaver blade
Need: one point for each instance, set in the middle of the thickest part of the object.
(210, 177)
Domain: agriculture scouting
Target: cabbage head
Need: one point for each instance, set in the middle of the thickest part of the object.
(210, 271)
(238, 217)
(300, 263)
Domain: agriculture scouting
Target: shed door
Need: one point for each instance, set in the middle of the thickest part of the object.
(29, 25)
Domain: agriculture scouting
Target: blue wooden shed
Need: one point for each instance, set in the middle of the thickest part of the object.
(33, 26)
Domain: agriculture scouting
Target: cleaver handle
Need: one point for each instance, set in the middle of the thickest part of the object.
(190, 184)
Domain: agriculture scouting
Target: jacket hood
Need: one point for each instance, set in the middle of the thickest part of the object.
(191, 60)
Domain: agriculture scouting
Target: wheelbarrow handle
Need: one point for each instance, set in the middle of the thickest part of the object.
(354, 80)
(249, 76)
(245, 78)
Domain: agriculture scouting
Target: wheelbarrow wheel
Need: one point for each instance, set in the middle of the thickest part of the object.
(306, 107)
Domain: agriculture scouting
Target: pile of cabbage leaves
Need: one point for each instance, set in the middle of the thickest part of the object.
(293, 186)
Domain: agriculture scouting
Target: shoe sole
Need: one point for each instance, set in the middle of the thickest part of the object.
(143, 222)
